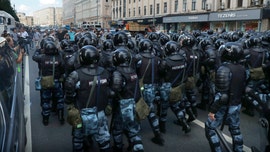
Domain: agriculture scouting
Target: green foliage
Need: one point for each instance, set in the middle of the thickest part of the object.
(6, 6)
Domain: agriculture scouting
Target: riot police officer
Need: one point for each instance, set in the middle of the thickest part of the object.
(148, 72)
(230, 83)
(127, 91)
(51, 70)
(173, 71)
(87, 92)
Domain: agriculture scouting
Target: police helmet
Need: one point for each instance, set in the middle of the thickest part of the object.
(231, 52)
(121, 56)
(145, 45)
(64, 44)
(108, 45)
(164, 39)
(88, 55)
(172, 47)
(153, 36)
(50, 48)
(120, 39)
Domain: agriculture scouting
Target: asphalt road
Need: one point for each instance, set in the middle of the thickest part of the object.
(57, 138)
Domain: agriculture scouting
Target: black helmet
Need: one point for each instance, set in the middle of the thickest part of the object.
(164, 39)
(88, 55)
(196, 33)
(233, 37)
(77, 37)
(153, 36)
(121, 56)
(120, 39)
(219, 42)
(254, 41)
(172, 47)
(64, 44)
(206, 42)
(175, 37)
(108, 45)
(145, 45)
(130, 44)
(232, 52)
(50, 48)
(210, 32)
(187, 40)
(85, 40)
(109, 36)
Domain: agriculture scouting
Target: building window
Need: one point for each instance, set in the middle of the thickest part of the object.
(129, 12)
(139, 10)
(134, 12)
(240, 3)
(184, 5)
(151, 9)
(129, 1)
(176, 6)
(107, 0)
(165, 7)
(193, 5)
(157, 8)
(134, 1)
(203, 4)
(144, 10)
(229, 4)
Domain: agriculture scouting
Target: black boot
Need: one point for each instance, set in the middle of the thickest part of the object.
(162, 126)
(195, 111)
(61, 116)
(191, 115)
(185, 127)
(158, 139)
(202, 106)
(249, 111)
(106, 150)
(45, 120)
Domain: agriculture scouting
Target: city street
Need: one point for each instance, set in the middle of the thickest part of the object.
(57, 138)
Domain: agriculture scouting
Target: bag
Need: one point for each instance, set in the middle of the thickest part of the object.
(176, 94)
(47, 82)
(37, 83)
(142, 109)
(257, 73)
(190, 83)
(89, 121)
(74, 117)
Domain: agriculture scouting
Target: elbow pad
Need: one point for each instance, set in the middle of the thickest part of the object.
(222, 79)
(117, 81)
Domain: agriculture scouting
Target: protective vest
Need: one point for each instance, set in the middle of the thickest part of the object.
(100, 95)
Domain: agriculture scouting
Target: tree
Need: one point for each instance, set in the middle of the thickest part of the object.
(6, 6)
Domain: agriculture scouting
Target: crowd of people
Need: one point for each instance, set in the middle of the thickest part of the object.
(97, 78)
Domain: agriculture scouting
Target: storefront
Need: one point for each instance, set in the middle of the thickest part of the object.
(236, 20)
(186, 22)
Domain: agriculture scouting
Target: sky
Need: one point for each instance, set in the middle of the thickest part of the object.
(29, 6)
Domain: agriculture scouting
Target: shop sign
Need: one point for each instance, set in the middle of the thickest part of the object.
(236, 15)
(186, 18)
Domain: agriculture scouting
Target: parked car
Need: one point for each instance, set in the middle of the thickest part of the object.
(12, 119)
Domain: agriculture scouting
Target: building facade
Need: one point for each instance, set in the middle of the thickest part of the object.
(69, 12)
(51, 16)
(26, 20)
(188, 15)
(92, 12)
